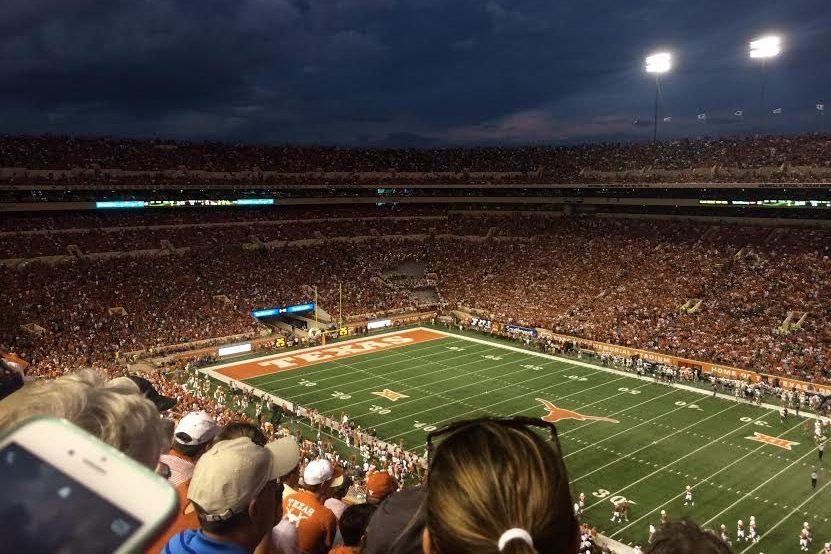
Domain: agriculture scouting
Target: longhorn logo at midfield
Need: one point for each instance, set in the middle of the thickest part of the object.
(556, 414)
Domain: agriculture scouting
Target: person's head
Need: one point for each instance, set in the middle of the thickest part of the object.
(114, 412)
(353, 522)
(498, 486)
(685, 537)
(234, 491)
(237, 429)
(317, 477)
(380, 485)
(193, 434)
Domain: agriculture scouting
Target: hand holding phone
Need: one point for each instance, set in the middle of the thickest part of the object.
(65, 491)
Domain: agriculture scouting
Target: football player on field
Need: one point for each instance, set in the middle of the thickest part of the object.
(688, 497)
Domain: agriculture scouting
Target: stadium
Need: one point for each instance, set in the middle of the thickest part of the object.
(600, 343)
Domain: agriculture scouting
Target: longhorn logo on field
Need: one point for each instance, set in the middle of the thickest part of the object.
(556, 414)
(784, 444)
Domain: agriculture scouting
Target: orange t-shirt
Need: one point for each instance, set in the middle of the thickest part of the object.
(316, 524)
(186, 518)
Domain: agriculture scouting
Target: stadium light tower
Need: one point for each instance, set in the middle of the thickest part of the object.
(658, 64)
(765, 48)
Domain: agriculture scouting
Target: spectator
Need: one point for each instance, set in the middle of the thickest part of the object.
(379, 485)
(496, 486)
(335, 501)
(316, 524)
(234, 490)
(685, 537)
(352, 525)
(191, 437)
(397, 524)
(112, 411)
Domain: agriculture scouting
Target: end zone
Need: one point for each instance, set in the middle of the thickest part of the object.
(297, 359)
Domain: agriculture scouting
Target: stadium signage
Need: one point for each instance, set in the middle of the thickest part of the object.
(516, 329)
(335, 352)
(122, 204)
(235, 349)
(379, 324)
(271, 312)
(481, 323)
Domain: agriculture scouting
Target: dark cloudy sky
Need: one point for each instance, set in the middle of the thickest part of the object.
(421, 72)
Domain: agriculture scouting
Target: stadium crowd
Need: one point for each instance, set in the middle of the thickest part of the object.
(288, 165)
(620, 281)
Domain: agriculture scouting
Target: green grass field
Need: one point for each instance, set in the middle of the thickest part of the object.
(665, 437)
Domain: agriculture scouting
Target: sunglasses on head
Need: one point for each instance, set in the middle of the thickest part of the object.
(518, 422)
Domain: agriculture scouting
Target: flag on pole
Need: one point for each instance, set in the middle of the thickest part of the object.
(820, 107)
(739, 113)
(668, 119)
(702, 117)
(777, 111)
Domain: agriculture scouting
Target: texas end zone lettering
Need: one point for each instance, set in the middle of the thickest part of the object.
(336, 352)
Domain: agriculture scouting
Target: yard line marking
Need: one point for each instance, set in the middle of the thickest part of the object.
(703, 481)
(388, 421)
(653, 443)
(675, 461)
(311, 374)
(407, 402)
(794, 511)
(341, 365)
(775, 475)
(485, 408)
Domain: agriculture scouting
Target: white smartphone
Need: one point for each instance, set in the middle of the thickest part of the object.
(63, 490)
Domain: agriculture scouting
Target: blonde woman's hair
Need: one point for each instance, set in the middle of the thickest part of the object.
(489, 477)
(115, 412)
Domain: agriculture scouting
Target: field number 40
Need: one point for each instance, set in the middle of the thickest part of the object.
(424, 426)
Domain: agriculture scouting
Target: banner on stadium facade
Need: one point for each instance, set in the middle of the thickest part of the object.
(481, 323)
(234, 349)
(379, 324)
(516, 329)
(723, 371)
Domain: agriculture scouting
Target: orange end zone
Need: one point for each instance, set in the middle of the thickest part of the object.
(322, 354)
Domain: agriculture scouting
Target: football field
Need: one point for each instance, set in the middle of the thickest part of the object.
(622, 436)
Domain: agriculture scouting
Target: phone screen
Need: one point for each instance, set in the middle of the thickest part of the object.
(44, 510)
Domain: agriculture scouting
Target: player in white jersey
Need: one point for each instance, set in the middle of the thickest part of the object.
(804, 537)
(740, 531)
(664, 517)
(827, 549)
(724, 536)
(617, 512)
(752, 533)
(688, 497)
(651, 532)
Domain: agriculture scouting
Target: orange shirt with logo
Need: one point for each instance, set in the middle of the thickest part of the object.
(316, 524)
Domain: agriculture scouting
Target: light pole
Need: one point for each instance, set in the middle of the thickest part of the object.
(763, 49)
(658, 64)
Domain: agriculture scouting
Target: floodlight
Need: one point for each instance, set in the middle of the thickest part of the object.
(659, 63)
(766, 47)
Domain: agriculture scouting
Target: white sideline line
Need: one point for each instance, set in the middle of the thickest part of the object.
(747, 494)
(689, 388)
(665, 437)
(700, 481)
(792, 512)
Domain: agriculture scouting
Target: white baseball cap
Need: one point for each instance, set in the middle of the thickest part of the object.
(317, 472)
(229, 476)
(195, 428)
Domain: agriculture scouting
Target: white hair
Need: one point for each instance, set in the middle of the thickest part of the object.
(114, 412)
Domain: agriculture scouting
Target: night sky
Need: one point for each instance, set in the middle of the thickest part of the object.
(404, 72)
